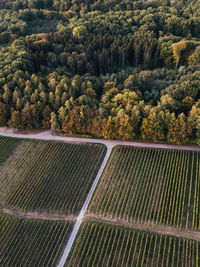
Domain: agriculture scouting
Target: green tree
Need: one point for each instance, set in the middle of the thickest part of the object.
(46, 117)
(54, 123)
(15, 121)
(179, 129)
(26, 117)
(3, 114)
(178, 49)
(79, 31)
(154, 126)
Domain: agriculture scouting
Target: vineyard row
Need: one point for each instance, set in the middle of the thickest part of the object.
(105, 245)
(150, 186)
(50, 176)
(31, 242)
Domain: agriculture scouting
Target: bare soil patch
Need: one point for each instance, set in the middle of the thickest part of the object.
(3, 128)
(24, 131)
(54, 133)
(150, 226)
(37, 215)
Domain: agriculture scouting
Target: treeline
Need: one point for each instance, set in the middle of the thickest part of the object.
(159, 105)
(111, 69)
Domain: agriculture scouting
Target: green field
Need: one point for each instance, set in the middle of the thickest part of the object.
(138, 185)
(105, 245)
(48, 176)
(31, 242)
(150, 185)
(7, 145)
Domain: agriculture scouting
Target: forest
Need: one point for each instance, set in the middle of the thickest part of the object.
(107, 69)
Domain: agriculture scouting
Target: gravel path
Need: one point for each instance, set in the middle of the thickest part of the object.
(82, 212)
(48, 135)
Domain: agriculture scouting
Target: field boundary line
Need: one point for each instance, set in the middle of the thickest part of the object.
(151, 227)
(49, 135)
(38, 215)
(79, 220)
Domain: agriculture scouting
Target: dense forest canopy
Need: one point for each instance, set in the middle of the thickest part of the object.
(111, 69)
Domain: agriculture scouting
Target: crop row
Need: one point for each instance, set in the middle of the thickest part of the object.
(105, 245)
(6, 146)
(150, 185)
(57, 177)
(31, 242)
(12, 167)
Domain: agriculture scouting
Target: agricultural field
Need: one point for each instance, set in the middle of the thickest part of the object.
(140, 190)
(150, 186)
(48, 176)
(100, 244)
(7, 145)
(32, 242)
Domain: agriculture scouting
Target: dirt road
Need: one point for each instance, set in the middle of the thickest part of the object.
(38, 215)
(83, 210)
(151, 227)
(48, 135)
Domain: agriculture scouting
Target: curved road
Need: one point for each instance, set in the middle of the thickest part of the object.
(48, 135)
